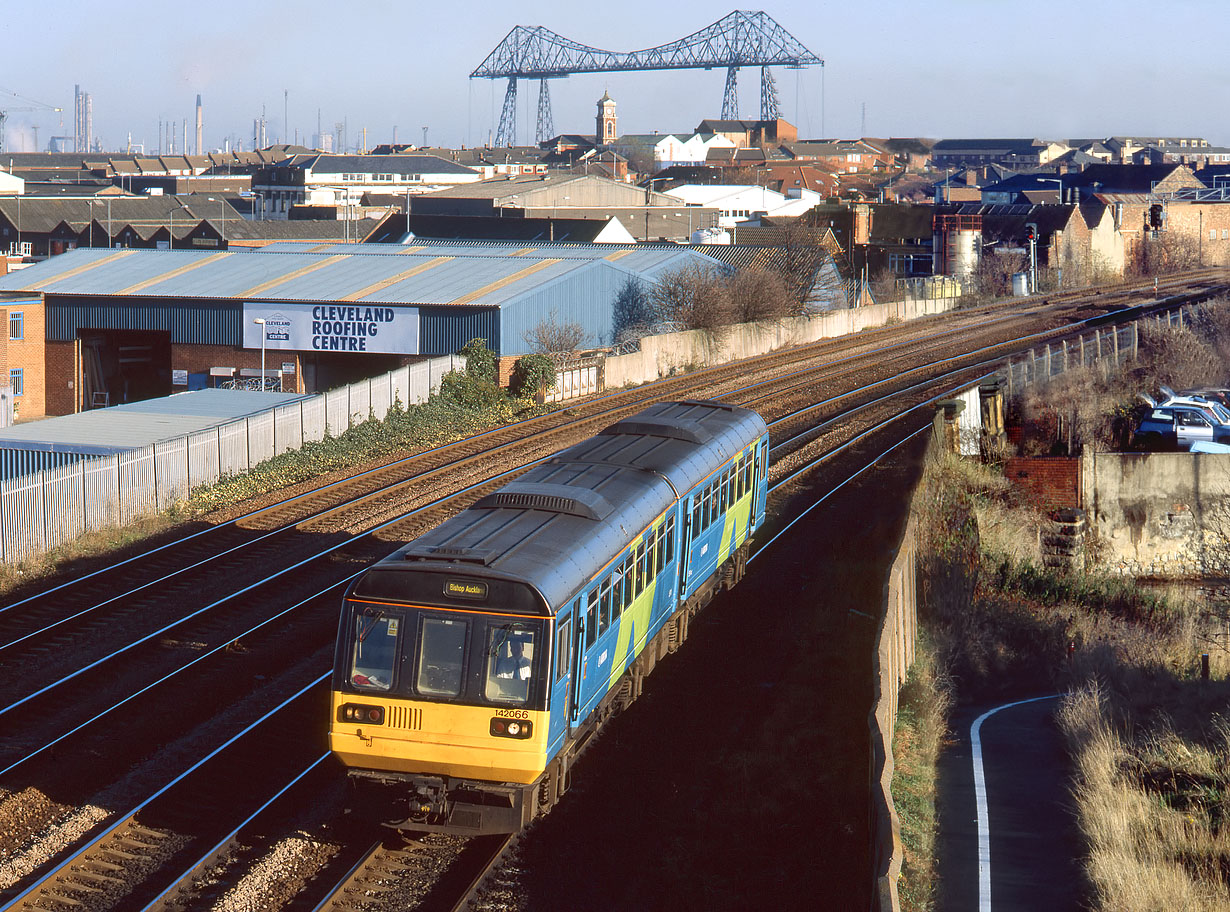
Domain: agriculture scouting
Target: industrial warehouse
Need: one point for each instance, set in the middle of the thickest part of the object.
(124, 325)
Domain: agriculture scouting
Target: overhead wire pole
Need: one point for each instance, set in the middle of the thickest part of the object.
(738, 39)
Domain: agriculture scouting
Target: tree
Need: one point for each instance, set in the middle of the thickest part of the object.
(550, 336)
(1166, 251)
(758, 294)
(632, 313)
(692, 295)
(992, 277)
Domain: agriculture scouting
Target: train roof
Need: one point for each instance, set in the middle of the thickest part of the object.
(558, 524)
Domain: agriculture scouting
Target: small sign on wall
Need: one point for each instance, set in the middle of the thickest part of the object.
(288, 367)
(179, 378)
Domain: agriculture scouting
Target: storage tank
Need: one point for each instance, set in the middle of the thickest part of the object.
(711, 236)
(956, 244)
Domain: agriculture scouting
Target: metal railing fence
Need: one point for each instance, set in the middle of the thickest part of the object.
(49, 508)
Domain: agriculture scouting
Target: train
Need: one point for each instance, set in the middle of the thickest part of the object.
(474, 664)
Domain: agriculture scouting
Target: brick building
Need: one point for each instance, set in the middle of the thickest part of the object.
(22, 365)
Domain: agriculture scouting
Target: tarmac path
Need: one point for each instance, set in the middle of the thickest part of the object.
(1009, 842)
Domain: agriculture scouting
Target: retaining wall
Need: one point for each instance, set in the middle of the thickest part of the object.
(1162, 515)
(661, 356)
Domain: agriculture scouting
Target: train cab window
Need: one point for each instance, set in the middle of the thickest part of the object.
(510, 657)
(591, 618)
(375, 650)
(563, 649)
(441, 657)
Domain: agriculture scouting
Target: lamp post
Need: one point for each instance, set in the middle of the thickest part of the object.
(260, 321)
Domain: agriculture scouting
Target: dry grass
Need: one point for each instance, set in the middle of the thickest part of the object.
(922, 713)
(1150, 746)
(93, 546)
(1152, 812)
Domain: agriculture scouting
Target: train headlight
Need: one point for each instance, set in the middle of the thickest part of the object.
(512, 728)
(359, 712)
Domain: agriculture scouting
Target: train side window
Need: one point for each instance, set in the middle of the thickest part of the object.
(617, 591)
(591, 618)
(696, 526)
(661, 548)
(604, 610)
(640, 568)
(670, 536)
(563, 649)
(629, 582)
(704, 513)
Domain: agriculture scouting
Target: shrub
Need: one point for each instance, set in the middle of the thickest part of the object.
(532, 373)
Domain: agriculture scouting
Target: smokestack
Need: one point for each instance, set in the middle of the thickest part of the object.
(200, 125)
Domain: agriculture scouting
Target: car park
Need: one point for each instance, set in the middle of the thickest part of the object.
(1178, 425)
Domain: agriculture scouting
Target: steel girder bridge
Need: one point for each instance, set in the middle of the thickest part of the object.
(739, 39)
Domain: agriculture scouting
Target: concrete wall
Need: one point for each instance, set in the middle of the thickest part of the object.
(894, 656)
(1153, 512)
(661, 356)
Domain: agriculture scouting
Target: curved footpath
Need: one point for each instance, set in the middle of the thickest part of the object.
(1008, 843)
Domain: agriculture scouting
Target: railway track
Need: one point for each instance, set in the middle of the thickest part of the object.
(839, 365)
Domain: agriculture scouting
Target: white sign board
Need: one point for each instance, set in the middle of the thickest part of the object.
(358, 328)
(179, 378)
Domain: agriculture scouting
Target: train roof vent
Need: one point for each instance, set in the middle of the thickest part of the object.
(675, 428)
(443, 552)
(553, 498)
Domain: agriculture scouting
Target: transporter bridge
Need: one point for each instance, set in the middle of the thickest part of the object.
(739, 39)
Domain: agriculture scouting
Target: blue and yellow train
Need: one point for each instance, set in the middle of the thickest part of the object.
(474, 664)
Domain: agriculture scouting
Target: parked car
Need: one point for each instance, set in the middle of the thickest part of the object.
(1178, 425)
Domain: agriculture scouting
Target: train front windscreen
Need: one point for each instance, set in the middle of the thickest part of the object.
(428, 653)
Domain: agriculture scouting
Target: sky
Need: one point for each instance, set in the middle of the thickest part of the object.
(1056, 69)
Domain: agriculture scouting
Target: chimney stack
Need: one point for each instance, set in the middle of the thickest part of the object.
(200, 124)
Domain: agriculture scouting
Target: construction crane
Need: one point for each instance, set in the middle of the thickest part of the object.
(34, 106)
(742, 38)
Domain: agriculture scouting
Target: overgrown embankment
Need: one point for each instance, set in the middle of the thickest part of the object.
(1150, 744)
(468, 402)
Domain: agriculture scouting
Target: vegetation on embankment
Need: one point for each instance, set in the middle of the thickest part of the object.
(468, 402)
(1150, 741)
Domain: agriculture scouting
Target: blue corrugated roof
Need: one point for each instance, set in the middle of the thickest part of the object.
(416, 274)
(137, 424)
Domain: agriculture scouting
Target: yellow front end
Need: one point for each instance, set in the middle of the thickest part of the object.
(439, 739)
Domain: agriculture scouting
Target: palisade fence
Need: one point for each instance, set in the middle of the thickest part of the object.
(49, 508)
(1115, 343)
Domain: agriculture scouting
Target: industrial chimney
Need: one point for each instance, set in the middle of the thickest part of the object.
(200, 124)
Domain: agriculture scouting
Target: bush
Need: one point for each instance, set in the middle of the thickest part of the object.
(532, 373)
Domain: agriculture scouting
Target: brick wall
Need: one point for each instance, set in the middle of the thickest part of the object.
(4, 348)
(198, 359)
(27, 354)
(1049, 482)
(63, 387)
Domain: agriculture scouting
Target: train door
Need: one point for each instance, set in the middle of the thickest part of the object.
(685, 545)
(560, 686)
